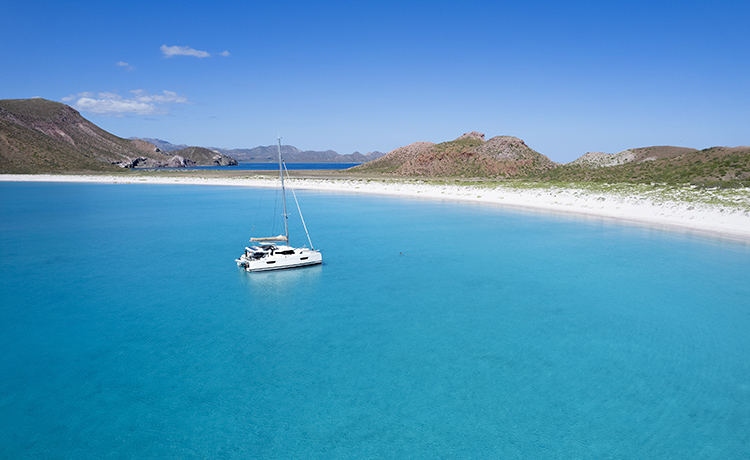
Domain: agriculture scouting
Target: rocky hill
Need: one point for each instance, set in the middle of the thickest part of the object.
(639, 155)
(661, 164)
(467, 156)
(37, 135)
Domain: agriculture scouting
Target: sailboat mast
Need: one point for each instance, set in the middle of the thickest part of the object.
(283, 193)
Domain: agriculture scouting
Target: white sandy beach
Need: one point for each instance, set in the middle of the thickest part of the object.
(717, 213)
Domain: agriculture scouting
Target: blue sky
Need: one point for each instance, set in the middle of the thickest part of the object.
(566, 77)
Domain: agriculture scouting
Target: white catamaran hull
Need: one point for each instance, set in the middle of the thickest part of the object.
(299, 258)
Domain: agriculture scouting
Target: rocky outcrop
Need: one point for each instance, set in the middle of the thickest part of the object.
(179, 162)
(202, 157)
(472, 135)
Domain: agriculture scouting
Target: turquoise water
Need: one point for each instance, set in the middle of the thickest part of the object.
(432, 330)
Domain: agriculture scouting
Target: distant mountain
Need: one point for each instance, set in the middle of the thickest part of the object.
(268, 154)
(37, 135)
(467, 156)
(162, 144)
(292, 154)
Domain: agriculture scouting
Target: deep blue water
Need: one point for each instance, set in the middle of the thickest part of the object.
(432, 330)
(275, 166)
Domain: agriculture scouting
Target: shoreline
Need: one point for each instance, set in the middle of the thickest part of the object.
(723, 214)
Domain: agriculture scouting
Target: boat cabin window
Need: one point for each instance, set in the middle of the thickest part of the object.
(286, 253)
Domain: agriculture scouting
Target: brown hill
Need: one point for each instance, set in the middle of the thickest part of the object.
(393, 160)
(468, 156)
(37, 135)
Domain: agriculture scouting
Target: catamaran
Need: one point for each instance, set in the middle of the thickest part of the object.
(274, 252)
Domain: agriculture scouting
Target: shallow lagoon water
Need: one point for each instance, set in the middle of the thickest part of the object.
(432, 330)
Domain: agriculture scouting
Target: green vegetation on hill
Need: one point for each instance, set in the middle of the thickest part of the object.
(25, 147)
(721, 166)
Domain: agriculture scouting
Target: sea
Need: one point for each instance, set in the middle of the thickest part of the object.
(433, 329)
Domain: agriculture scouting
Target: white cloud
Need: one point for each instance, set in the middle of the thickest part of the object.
(124, 64)
(224, 53)
(166, 97)
(170, 51)
(115, 107)
(112, 104)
